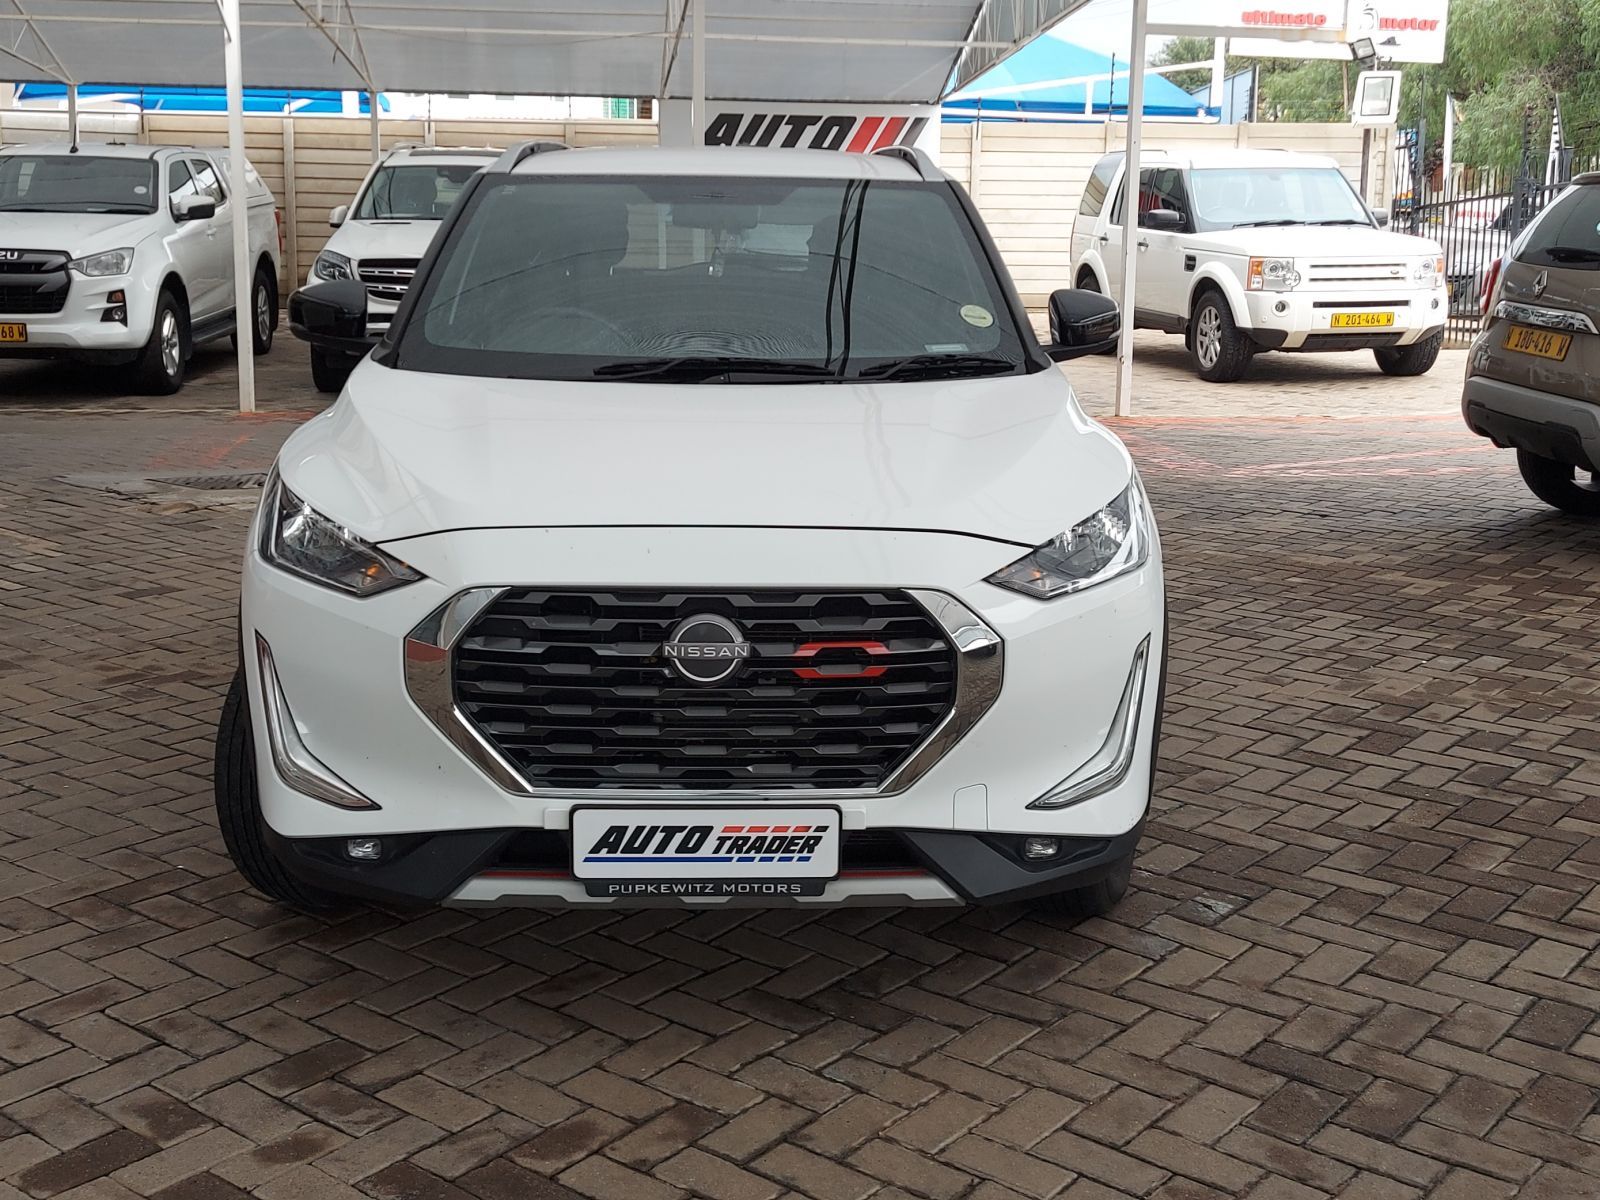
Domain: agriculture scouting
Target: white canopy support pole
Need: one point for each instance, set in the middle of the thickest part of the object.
(375, 129)
(239, 206)
(697, 96)
(1130, 205)
(72, 116)
(1219, 71)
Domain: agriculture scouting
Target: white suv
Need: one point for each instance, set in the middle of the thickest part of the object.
(118, 254)
(381, 236)
(1242, 251)
(709, 528)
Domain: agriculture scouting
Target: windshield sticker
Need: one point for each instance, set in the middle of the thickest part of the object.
(945, 347)
(977, 315)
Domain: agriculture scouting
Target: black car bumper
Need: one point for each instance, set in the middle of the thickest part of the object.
(428, 868)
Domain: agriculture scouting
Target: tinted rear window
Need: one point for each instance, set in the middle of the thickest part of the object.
(1567, 234)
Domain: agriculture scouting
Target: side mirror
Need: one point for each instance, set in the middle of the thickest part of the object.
(1381, 216)
(337, 216)
(1166, 220)
(1081, 323)
(193, 208)
(332, 316)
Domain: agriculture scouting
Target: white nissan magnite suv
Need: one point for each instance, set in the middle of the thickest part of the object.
(708, 528)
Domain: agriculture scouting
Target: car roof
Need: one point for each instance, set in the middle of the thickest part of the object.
(92, 149)
(1229, 157)
(479, 154)
(730, 161)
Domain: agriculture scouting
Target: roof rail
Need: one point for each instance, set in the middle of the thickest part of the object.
(521, 150)
(920, 161)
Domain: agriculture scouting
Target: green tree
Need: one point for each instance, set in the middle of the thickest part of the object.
(1185, 49)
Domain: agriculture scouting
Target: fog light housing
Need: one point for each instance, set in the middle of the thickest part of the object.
(1282, 306)
(363, 849)
(1037, 849)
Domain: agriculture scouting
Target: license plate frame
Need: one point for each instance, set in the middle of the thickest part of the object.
(725, 862)
(1361, 320)
(1550, 344)
(13, 333)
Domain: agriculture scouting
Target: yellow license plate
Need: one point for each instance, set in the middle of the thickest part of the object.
(1374, 320)
(1539, 342)
(11, 331)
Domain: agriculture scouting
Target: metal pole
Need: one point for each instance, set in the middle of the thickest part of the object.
(1130, 205)
(1219, 70)
(239, 206)
(1366, 163)
(697, 94)
(375, 129)
(72, 116)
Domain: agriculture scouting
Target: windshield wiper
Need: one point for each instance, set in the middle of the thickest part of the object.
(698, 370)
(1571, 254)
(1343, 221)
(937, 366)
(1257, 224)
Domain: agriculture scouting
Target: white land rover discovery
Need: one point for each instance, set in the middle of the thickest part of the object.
(118, 254)
(1242, 251)
(381, 236)
(708, 528)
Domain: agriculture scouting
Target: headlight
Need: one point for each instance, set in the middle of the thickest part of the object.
(1429, 271)
(108, 262)
(1272, 275)
(1110, 543)
(329, 265)
(302, 541)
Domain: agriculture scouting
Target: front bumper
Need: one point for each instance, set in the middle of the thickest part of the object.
(341, 668)
(481, 867)
(79, 330)
(1306, 319)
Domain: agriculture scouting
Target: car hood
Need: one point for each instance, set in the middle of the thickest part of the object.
(405, 453)
(1324, 242)
(77, 234)
(383, 239)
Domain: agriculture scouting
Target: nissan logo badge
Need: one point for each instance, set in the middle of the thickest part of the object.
(706, 649)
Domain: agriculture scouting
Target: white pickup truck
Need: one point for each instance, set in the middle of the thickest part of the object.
(1242, 251)
(121, 254)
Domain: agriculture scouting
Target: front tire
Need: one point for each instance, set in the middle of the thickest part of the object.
(159, 369)
(1415, 359)
(1221, 353)
(239, 811)
(329, 371)
(1560, 485)
(1094, 900)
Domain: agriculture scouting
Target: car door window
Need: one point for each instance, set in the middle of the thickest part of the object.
(1162, 187)
(206, 180)
(1094, 192)
(180, 182)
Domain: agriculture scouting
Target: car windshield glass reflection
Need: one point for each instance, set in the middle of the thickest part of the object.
(1227, 197)
(713, 280)
(76, 184)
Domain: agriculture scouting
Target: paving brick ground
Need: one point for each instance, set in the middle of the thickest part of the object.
(1359, 959)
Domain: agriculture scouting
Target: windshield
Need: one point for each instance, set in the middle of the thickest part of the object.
(77, 183)
(1227, 197)
(712, 279)
(414, 192)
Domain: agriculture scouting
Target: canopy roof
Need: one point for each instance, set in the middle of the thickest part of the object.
(1049, 75)
(844, 50)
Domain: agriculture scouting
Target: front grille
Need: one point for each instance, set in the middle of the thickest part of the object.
(1359, 272)
(28, 299)
(33, 281)
(573, 689)
(387, 278)
(1354, 340)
